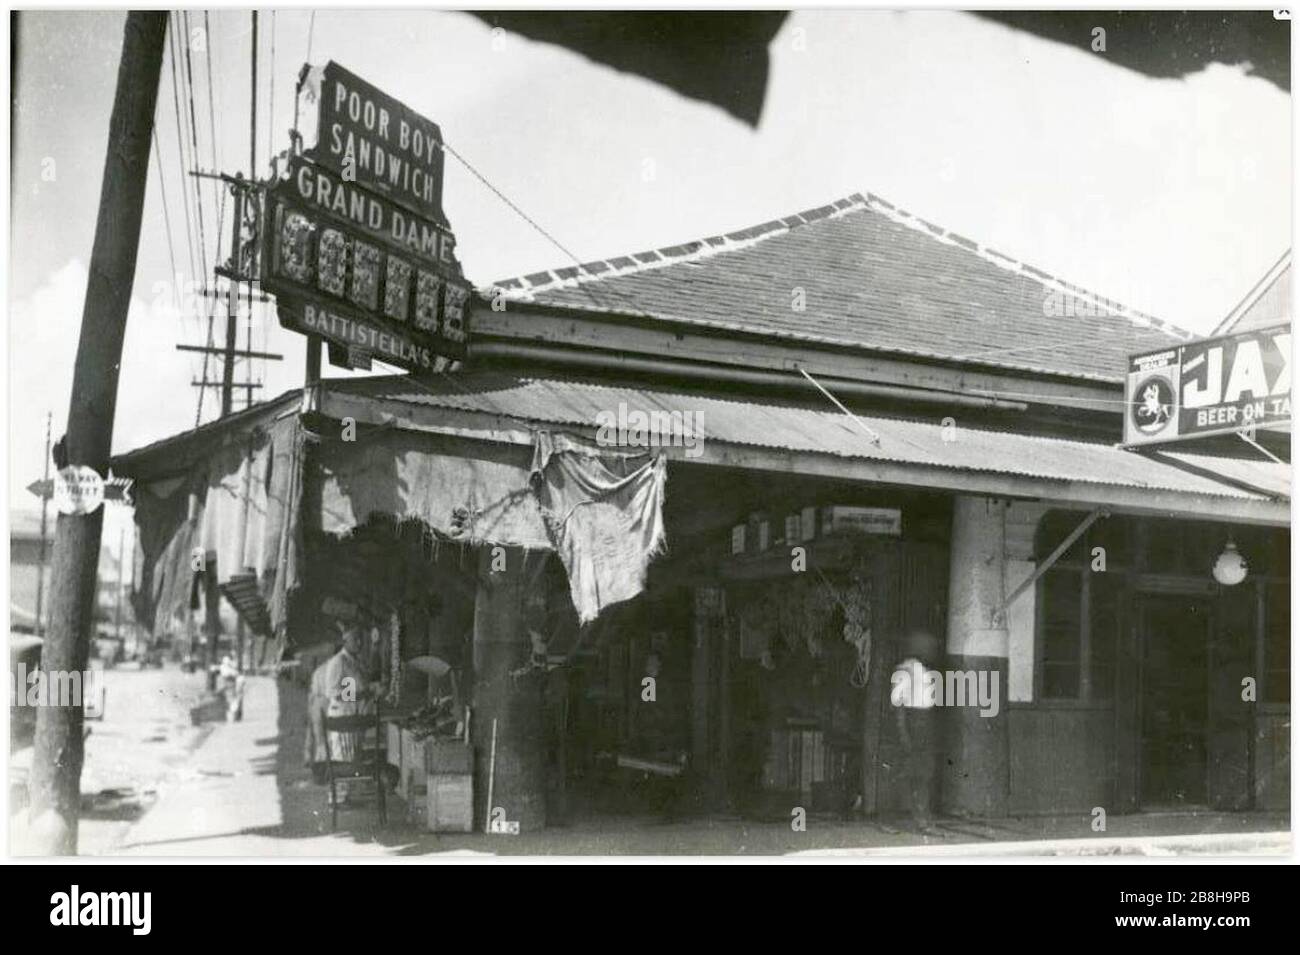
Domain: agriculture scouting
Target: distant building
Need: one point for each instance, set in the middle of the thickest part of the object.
(26, 558)
(1267, 303)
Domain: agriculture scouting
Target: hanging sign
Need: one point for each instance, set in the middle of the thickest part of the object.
(371, 139)
(319, 190)
(358, 334)
(1216, 386)
(355, 244)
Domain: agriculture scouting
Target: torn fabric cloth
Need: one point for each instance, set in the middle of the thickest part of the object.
(471, 491)
(244, 516)
(604, 514)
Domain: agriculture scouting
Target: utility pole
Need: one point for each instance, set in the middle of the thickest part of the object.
(117, 608)
(55, 786)
(45, 508)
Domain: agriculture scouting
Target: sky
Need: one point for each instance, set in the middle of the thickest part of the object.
(1171, 196)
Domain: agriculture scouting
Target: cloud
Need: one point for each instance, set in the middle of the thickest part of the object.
(154, 396)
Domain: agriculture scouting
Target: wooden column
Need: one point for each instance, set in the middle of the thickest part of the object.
(211, 608)
(501, 645)
(976, 776)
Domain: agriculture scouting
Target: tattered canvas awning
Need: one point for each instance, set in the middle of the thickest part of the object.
(233, 514)
(599, 509)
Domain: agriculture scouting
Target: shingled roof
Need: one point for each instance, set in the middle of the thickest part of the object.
(869, 274)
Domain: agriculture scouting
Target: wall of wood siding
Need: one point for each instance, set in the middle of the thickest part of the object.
(1062, 758)
(1273, 758)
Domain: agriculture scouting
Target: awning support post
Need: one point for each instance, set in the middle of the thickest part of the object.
(1053, 557)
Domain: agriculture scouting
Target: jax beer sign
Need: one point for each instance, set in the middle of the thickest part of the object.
(1217, 386)
(355, 246)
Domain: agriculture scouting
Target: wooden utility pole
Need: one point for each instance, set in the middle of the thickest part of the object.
(45, 509)
(117, 607)
(56, 764)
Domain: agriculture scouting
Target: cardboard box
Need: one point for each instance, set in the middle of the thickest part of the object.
(449, 802)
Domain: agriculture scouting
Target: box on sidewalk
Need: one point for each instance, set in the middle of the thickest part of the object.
(449, 793)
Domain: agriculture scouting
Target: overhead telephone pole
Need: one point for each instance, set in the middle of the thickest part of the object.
(55, 786)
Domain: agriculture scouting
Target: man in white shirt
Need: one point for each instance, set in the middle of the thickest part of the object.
(918, 721)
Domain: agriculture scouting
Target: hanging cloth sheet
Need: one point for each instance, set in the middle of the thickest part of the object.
(245, 517)
(604, 514)
(475, 492)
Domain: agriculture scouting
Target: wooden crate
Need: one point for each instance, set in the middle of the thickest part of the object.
(416, 802)
(447, 756)
(449, 802)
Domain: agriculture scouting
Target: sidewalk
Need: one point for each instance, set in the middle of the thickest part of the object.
(247, 794)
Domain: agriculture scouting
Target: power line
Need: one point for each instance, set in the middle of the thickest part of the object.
(311, 30)
(167, 219)
(212, 122)
(502, 196)
(188, 82)
(587, 289)
(180, 146)
(270, 133)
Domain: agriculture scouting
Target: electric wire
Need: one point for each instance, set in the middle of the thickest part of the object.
(180, 146)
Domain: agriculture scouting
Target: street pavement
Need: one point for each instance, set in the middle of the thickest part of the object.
(141, 744)
(243, 792)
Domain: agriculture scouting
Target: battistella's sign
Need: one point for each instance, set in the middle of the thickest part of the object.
(1217, 386)
(370, 139)
(355, 246)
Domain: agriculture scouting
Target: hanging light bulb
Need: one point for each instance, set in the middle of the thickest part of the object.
(1230, 567)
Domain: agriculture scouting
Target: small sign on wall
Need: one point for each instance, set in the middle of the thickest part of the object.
(864, 520)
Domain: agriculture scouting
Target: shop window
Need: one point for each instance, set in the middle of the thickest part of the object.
(1080, 622)
(1114, 535)
(1277, 642)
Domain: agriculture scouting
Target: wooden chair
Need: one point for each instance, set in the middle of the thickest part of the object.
(369, 761)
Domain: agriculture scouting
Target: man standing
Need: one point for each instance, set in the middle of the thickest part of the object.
(914, 704)
(232, 688)
(346, 690)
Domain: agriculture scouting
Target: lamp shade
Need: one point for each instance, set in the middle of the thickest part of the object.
(1230, 567)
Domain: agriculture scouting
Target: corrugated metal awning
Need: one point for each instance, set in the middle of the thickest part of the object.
(799, 438)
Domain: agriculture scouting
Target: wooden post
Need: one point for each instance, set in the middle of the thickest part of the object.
(211, 608)
(45, 509)
(56, 765)
(117, 604)
(514, 706)
(232, 308)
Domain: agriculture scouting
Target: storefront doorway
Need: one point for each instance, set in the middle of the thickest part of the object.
(1174, 641)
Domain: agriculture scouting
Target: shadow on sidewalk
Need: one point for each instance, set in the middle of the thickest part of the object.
(304, 815)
